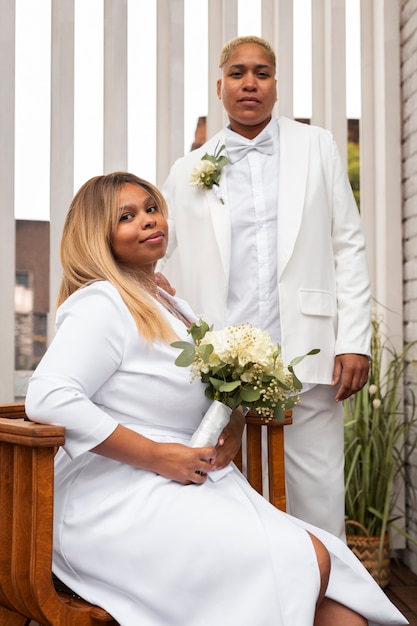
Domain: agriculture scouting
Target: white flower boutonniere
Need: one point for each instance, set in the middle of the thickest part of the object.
(206, 174)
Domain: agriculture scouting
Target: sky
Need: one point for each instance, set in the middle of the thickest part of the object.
(33, 59)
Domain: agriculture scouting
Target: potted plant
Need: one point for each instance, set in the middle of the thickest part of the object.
(378, 447)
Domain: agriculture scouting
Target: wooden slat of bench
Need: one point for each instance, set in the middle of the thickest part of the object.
(24, 433)
(274, 455)
(254, 455)
(276, 469)
(26, 497)
(13, 410)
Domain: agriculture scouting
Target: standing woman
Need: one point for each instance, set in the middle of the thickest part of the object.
(140, 527)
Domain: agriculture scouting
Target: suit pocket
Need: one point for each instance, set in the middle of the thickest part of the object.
(316, 302)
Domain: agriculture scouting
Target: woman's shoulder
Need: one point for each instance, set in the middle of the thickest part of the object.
(95, 299)
(95, 289)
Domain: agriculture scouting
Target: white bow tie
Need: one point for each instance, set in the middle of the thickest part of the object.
(237, 146)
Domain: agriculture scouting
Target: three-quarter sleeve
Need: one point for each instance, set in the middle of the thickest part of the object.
(85, 352)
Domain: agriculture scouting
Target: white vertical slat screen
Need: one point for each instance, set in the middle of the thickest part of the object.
(329, 69)
(381, 158)
(142, 88)
(170, 85)
(381, 196)
(222, 26)
(278, 29)
(140, 100)
(62, 133)
(368, 147)
(115, 86)
(7, 225)
(89, 89)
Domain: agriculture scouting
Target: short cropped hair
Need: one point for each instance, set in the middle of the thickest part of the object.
(238, 41)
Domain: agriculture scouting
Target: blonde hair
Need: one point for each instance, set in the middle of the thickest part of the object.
(238, 41)
(86, 250)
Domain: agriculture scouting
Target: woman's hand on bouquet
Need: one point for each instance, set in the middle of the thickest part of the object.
(186, 465)
(230, 440)
(174, 461)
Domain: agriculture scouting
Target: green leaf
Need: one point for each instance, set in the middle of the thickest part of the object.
(298, 359)
(296, 381)
(250, 395)
(228, 387)
(182, 344)
(198, 330)
(215, 382)
(290, 403)
(222, 161)
(186, 357)
(205, 351)
(279, 413)
(209, 157)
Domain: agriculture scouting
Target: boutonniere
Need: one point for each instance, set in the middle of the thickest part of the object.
(206, 174)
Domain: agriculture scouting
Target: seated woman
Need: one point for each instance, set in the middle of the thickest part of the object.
(140, 528)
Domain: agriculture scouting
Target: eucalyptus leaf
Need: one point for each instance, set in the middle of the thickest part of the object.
(296, 382)
(279, 413)
(205, 351)
(198, 330)
(298, 359)
(182, 344)
(249, 395)
(215, 382)
(186, 357)
(230, 386)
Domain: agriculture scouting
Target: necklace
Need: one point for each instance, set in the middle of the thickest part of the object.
(171, 308)
(151, 287)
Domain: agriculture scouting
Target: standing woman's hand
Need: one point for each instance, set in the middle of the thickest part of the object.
(351, 371)
(164, 283)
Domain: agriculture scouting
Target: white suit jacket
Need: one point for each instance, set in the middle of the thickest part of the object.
(323, 281)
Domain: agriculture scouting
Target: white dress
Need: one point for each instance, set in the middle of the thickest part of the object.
(151, 551)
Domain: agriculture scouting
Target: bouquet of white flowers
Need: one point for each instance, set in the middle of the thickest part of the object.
(241, 366)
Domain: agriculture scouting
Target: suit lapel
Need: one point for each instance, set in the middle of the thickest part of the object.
(220, 213)
(294, 160)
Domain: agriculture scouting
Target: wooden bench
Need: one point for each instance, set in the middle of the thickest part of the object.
(27, 453)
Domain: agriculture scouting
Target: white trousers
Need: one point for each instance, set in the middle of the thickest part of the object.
(314, 461)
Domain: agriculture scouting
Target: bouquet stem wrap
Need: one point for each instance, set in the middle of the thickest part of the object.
(215, 419)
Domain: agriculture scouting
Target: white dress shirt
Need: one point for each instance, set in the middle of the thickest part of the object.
(252, 186)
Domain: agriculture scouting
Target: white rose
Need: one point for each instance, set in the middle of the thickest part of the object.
(200, 172)
(241, 345)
